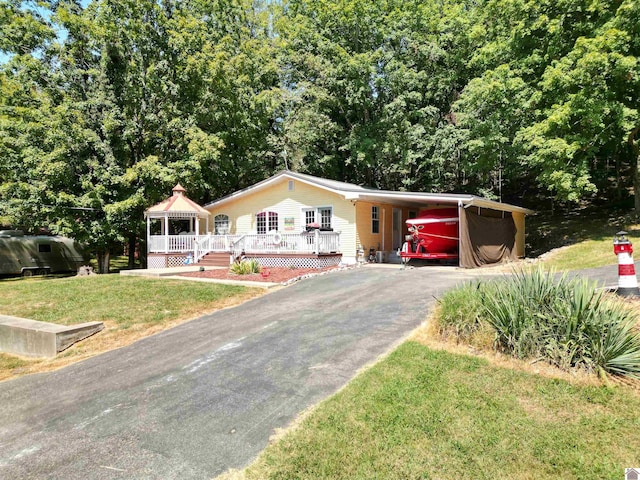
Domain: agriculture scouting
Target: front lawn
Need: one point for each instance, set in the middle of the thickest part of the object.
(591, 253)
(578, 239)
(424, 413)
(130, 307)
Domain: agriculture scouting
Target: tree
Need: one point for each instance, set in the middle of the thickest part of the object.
(492, 109)
(371, 85)
(589, 113)
(135, 97)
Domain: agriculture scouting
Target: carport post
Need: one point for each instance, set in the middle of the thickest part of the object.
(383, 226)
(460, 207)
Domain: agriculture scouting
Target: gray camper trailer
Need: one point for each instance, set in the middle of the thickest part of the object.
(28, 255)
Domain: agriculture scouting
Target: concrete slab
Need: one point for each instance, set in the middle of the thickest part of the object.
(31, 338)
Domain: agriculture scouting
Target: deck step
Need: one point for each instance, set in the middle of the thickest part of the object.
(215, 260)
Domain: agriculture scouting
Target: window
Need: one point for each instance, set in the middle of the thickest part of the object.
(325, 217)
(375, 219)
(44, 248)
(291, 185)
(309, 216)
(221, 224)
(320, 215)
(266, 221)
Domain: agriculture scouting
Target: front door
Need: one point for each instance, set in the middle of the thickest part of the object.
(397, 228)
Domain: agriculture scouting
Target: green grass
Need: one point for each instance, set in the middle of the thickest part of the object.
(590, 253)
(585, 235)
(422, 413)
(9, 363)
(123, 300)
(130, 307)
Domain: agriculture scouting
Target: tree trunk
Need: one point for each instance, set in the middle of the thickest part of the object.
(104, 259)
(142, 252)
(132, 252)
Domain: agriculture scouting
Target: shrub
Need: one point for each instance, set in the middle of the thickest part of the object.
(614, 345)
(245, 267)
(566, 321)
(460, 312)
(519, 310)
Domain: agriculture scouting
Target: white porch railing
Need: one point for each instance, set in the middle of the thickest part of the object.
(312, 242)
(315, 242)
(188, 243)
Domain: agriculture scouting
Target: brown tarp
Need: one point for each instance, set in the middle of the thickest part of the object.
(486, 238)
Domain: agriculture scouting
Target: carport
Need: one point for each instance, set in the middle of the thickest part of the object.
(489, 232)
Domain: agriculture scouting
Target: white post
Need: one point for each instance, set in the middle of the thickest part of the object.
(317, 246)
(384, 211)
(166, 234)
(148, 234)
(197, 225)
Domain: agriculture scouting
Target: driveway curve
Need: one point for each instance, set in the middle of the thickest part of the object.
(206, 396)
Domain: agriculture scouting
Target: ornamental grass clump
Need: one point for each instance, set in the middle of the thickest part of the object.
(460, 313)
(245, 267)
(566, 321)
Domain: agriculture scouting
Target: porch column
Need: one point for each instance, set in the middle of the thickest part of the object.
(317, 241)
(166, 234)
(148, 234)
(384, 210)
(197, 225)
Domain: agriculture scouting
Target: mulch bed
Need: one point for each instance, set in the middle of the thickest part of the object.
(268, 274)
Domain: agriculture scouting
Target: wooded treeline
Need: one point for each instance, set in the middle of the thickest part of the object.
(105, 107)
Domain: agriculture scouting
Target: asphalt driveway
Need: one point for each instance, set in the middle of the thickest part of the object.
(193, 401)
(606, 276)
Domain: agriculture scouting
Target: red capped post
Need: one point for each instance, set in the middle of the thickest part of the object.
(627, 281)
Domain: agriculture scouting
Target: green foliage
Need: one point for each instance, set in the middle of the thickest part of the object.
(370, 87)
(245, 267)
(99, 125)
(536, 315)
(520, 99)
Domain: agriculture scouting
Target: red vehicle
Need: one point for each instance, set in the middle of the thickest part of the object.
(433, 234)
